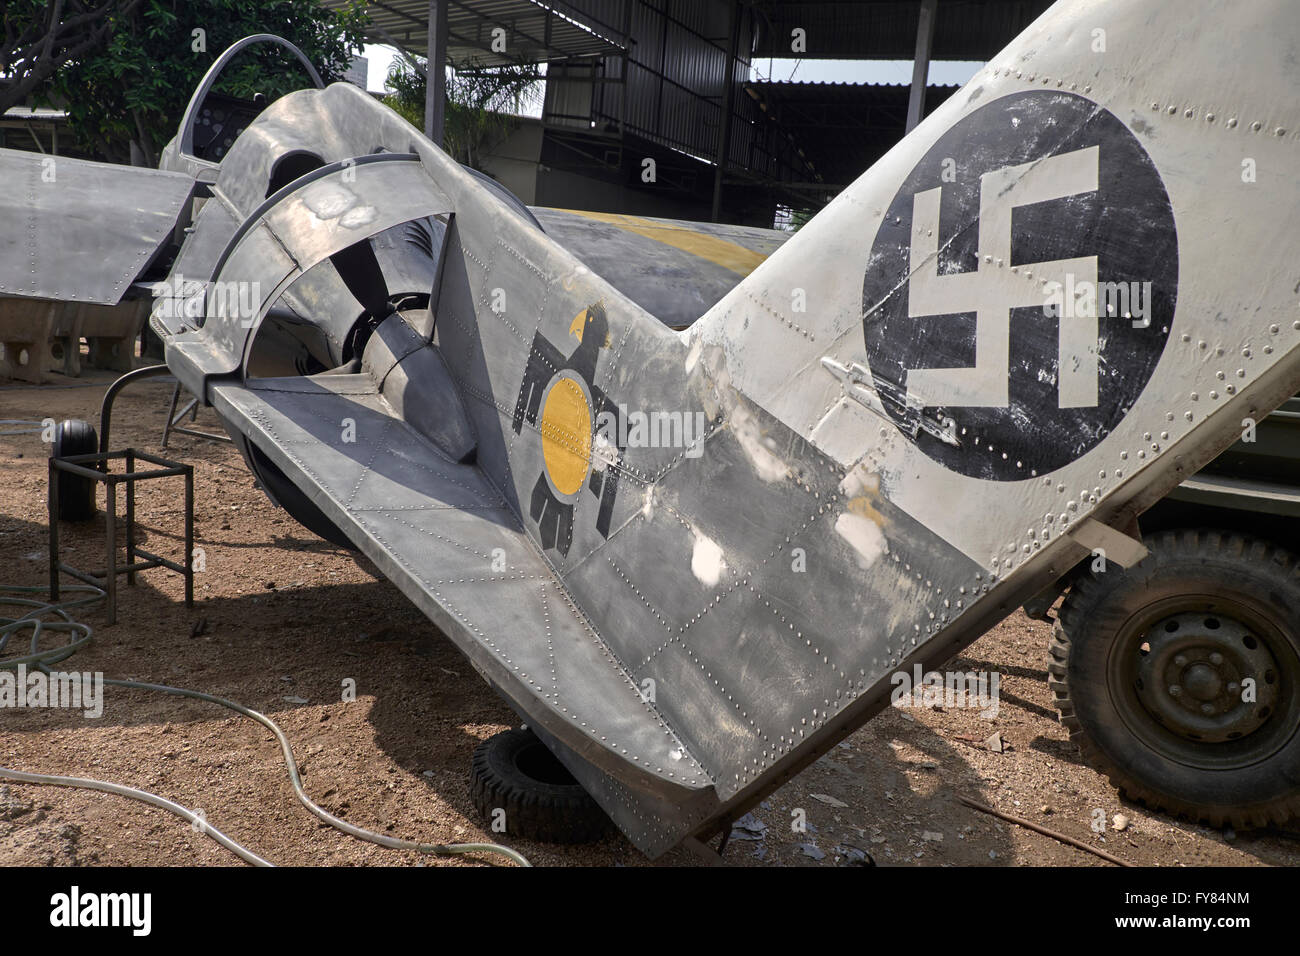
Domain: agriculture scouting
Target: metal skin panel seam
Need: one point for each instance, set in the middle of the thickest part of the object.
(279, 448)
(678, 562)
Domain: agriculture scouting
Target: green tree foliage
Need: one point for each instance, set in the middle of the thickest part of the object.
(39, 36)
(134, 88)
(478, 107)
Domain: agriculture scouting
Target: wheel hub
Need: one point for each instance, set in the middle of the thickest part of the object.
(1206, 677)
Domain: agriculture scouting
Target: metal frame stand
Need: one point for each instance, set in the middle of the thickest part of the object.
(174, 419)
(96, 467)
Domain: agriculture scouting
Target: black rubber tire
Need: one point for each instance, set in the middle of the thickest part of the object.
(74, 496)
(1248, 782)
(515, 772)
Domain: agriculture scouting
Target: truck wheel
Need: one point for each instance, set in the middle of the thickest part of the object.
(516, 773)
(1179, 679)
(74, 496)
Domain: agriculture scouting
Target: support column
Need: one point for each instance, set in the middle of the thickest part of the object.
(921, 63)
(435, 90)
(728, 107)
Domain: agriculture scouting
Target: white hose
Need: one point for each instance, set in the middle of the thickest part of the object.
(33, 620)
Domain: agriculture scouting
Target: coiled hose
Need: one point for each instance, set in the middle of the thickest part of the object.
(37, 621)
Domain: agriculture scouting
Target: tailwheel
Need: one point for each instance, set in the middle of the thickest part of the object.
(516, 778)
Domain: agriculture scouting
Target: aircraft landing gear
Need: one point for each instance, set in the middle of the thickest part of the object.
(516, 774)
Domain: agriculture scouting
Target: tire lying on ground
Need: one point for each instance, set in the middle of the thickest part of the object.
(1179, 679)
(515, 772)
(74, 496)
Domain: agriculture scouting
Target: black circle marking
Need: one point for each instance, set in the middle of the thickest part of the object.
(1127, 223)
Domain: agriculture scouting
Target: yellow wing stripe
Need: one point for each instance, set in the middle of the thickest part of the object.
(720, 252)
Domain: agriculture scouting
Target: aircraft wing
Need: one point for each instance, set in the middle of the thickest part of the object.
(78, 231)
(674, 269)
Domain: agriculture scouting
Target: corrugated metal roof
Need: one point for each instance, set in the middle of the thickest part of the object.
(886, 29)
(35, 114)
(535, 30)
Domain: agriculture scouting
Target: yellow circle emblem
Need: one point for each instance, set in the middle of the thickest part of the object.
(566, 435)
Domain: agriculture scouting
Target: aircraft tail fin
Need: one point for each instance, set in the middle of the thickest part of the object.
(1042, 257)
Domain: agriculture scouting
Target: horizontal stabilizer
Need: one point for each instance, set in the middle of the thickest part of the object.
(447, 538)
(78, 231)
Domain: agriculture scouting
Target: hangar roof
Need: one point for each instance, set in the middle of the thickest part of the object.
(538, 29)
(886, 29)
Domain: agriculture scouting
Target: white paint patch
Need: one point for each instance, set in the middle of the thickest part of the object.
(706, 560)
(575, 277)
(860, 481)
(648, 506)
(603, 453)
(328, 200)
(863, 535)
(693, 356)
(754, 443)
(359, 216)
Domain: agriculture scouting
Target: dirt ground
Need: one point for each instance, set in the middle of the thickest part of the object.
(281, 620)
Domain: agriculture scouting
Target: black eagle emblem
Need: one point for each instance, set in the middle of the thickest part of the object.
(555, 495)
